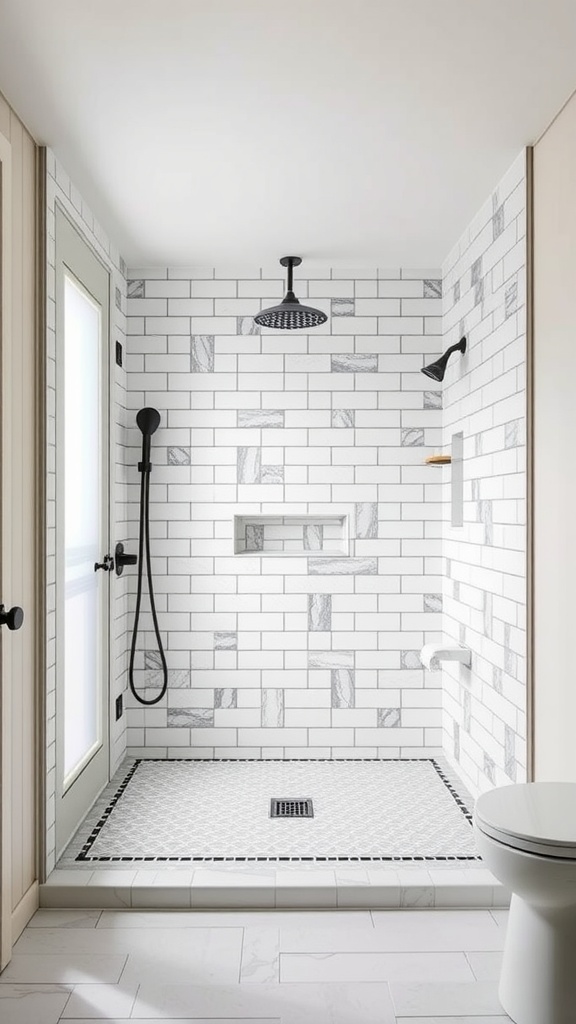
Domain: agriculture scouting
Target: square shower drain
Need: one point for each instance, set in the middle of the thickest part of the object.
(288, 807)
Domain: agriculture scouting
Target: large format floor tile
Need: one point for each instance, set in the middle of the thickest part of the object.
(256, 967)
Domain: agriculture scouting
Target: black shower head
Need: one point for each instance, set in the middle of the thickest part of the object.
(148, 420)
(290, 314)
(437, 370)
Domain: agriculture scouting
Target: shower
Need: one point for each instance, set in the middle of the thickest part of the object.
(148, 421)
(437, 370)
(290, 314)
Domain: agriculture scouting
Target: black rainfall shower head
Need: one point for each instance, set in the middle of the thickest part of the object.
(290, 315)
(148, 420)
(437, 370)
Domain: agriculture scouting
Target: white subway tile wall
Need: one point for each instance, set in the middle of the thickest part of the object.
(484, 720)
(289, 653)
(61, 190)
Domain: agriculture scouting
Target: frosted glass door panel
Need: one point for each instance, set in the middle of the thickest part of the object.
(82, 528)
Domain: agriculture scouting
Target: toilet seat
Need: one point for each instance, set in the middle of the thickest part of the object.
(537, 817)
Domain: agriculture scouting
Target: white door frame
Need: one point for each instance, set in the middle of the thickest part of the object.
(96, 773)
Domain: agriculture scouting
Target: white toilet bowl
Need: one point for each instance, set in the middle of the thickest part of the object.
(526, 835)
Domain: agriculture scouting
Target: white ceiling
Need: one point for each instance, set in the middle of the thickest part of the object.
(349, 131)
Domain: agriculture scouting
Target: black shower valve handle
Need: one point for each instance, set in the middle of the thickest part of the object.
(123, 559)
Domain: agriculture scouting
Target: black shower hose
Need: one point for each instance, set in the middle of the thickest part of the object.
(144, 546)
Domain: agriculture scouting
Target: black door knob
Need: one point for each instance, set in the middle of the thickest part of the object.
(106, 565)
(13, 619)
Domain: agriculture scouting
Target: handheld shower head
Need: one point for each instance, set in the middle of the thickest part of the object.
(437, 370)
(148, 420)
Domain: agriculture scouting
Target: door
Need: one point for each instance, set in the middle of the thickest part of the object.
(82, 528)
(21, 544)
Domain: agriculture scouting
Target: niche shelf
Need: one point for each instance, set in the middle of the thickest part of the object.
(438, 460)
(291, 535)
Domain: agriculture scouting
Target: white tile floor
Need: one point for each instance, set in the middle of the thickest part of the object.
(257, 967)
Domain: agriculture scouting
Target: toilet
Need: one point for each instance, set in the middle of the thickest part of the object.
(526, 836)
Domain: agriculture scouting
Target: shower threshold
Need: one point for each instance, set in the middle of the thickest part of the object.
(136, 850)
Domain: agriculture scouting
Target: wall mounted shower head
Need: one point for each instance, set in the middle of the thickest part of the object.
(437, 370)
(148, 421)
(290, 314)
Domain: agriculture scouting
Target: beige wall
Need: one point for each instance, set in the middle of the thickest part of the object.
(554, 451)
(21, 487)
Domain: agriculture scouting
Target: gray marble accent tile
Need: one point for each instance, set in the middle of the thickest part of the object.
(389, 718)
(122, 265)
(412, 437)
(179, 678)
(433, 289)
(489, 768)
(348, 362)
(511, 434)
(191, 718)
(254, 538)
(462, 633)
(485, 516)
(456, 293)
(246, 325)
(178, 456)
(225, 697)
(272, 475)
(136, 289)
(343, 417)
(343, 307)
(510, 299)
(343, 566)
(456, 590)
(313, 537)
(118, 298)
(432, 399)
(432, 602)
(410, 659)
(448, 568)
(227, 641)
(478, 444)
(476, 272)
(152, 659)
(319, 613)
(466, 710)
(510, 660)
(475, 490)
(487, 614)
(497, 222)
(343, 688)
(479, 292)
(510, 753)
(202, 353)
(366, 517)
(456, 739)
(497, 678)
(249, 463)
(272, 709)
(331, 659)
(260, 417)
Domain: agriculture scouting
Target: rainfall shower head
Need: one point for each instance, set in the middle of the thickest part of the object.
(437, 370)
(148, 420)
(290, 314)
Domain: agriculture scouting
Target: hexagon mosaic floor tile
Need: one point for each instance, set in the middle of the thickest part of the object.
(206, 810)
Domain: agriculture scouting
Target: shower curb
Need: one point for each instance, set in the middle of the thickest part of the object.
(269, 888)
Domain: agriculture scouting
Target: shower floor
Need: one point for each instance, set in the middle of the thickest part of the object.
(167, 812)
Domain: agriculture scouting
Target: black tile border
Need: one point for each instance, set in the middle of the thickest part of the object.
(84, 855)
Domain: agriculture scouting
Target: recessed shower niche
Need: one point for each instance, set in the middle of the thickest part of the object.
(291, 535)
